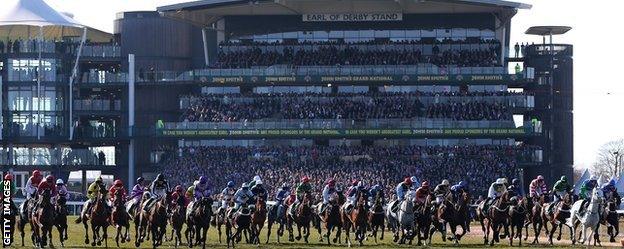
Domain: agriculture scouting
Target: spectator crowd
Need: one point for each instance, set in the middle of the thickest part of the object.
(325, 53)
(247, 107)
(480, 165)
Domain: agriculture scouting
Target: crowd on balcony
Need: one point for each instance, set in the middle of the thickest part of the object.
(247, 107)
(330, 54)
(34, 46)
(478, 165)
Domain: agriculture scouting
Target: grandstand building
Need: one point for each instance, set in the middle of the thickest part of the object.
(241, 78)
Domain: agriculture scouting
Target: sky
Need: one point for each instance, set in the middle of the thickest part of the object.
(595, 34)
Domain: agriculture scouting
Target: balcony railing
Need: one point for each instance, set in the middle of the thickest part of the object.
(97, 105)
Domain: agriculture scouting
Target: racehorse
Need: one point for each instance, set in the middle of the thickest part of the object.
(356, 220)
(455, 215)
(405, 219)
(120, 218)
(157, 218)
(276, 213)
(43, 220)
(258, 217)
(241, 221)
(534, 216)
(178, 217)
(376, 218)
(331, 217)
(611, 219)
(590, 219)
(558, 217)
(140, 224)
(24, 218)
(99, 220)
(518, 214)
(221, 219)
(60, 218)
(301, 216)
(497, 217)
(199, 221)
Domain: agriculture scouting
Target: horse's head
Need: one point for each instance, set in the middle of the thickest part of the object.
(260, 204)
(46, 195)
(597, 195)
(118, 200)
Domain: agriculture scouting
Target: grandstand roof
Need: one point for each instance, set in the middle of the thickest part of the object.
(205, 12)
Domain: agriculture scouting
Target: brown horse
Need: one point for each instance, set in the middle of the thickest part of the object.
(157, 218)
(258, 217)
(454, 215)
(43, 220)
(534, 217)
(423, 220)
(178, 217)
(120, 218)
(221, 219)
(140, 224)
(60, 218)
(302, 216)
(199, 222)
(276, 214)
(331, 217)
(495, 218)
(558, 217)
(356, 220)
(610, 219)
(518, 214)
(377, 218)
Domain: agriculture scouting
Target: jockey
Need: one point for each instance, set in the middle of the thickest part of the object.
(259, 191)
(402, 188)
(31, 185)
(137, 193)
(587, 187)
(227, 194)
(159, 187)
(441, 191)
(61, 189)
(255, 180)
(48, 184)
(328, 190)
(353, 191)
(374, 191)
(202, 188)
(93, 190)
(458, 189)
(609, 192)
(537, 187)
(560, 188)
(282, 193)
(423, 192)
(117, 186)
(514, 189)
(303, 189)
(242, 196)
(497, 189)
(177, 197)
(190, 191)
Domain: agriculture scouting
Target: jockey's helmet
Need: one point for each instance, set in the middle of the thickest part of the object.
(256, 178)
(118, 183)
(354, 183)
(160, 177)
(245, 186)
(285, 186)
(500, 181)
(612, 182)
(407, 181)
(331, 182)
(8, 177)
(98, 179)
(195, 182)
(515, 181)
(203, 179)
(60, 182)
(179, 189)
(463, 184)
(36, 173)
(230, 184)
(594, 178)
(540, 178)
(414, 179)
(258, 182)
(425, 184)
(564, 178)
(140, 179)
(445, 182)
(305, 179)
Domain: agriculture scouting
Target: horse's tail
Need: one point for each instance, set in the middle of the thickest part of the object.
(78, 220)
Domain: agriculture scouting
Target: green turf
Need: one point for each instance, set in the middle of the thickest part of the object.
(473, 240)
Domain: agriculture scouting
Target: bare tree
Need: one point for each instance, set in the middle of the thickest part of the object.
(609, 160)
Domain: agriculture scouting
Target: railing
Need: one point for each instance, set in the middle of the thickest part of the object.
(342, 124)
(103, 78)
(97, 105)
(31, 76)
(101, 51)
(53, 47)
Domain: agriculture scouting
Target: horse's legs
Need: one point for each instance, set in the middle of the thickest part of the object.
(118, 231)
(94, 233)
(560, 227)
(383, 230)
(86, 227)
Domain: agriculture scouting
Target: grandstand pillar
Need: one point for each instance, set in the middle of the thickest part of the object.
(131, 79)
(83, 181)
(205, 43)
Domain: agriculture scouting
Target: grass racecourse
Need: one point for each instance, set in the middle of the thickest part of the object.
(474, 239)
